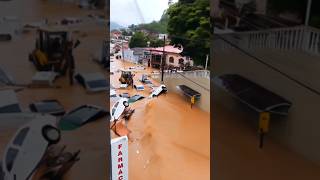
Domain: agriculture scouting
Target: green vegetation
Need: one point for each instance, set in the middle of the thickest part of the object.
(124, 32)
(155, 42)
(156, 26)
(139, 39)
(189, 25)
(186, 22)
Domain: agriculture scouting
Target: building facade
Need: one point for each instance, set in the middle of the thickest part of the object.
(173, 57)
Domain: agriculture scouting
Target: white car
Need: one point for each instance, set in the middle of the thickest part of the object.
(123, 86)
(155, 72)
(118, 108)
(27, 147)
(93, 82)
(139, 87)
(113, 93)
(140, 67)
(158, 90)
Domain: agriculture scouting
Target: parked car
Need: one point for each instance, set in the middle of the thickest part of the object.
(158, 90)
(9, 102)
(52, 107)
(118, 108)
(125, 95)
(27, 147)
(82, 115)
(123, 86)
(93, 82)
(144, 78)
(140, 67)
(113, 93)
(135, 98)
(139, 87)
(155, 72)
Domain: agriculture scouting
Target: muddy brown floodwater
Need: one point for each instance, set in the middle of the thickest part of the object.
(168, 139)
(91, 139)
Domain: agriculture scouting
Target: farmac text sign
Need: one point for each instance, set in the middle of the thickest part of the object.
(119, 158)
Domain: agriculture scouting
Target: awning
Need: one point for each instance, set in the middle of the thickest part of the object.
(188, 91)
(252, 94)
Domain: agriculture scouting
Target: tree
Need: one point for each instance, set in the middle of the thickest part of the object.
(157, 26)
(139, 39)
(189, 25)
(156, 42)
(125, 32)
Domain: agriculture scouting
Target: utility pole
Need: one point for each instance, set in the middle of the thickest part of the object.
(306, 22)
(163, 60)
(122, 48)
(206, 67)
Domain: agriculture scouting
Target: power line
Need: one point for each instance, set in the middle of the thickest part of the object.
(193, 81)
(139, 11)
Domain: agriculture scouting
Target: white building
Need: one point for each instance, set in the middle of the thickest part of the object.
(172, 55)
(161, 36)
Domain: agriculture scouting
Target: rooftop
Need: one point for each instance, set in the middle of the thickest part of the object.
(167, 49)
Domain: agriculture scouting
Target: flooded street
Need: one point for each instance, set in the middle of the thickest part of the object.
(168, 139)
(90, 139)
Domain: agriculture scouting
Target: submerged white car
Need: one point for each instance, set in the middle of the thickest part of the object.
(27, 147)
(139, 87)
(113, 93)
(93, 82)
(118, 108)
(158, 90)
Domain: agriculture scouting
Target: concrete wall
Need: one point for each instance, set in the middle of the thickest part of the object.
(171, 81)
(300, 129)
(128, 55)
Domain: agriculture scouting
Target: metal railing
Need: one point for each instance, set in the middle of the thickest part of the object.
(300, 38)
(190, 74)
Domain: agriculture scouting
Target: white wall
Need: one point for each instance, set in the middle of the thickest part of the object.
(300, 129)
(128, 55)
(176, 59)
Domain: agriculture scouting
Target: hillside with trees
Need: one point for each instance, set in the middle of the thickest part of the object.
(189, 25)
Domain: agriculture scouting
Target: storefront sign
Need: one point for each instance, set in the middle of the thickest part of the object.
(119, 158)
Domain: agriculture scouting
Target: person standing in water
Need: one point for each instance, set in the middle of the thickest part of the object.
(70, 61)
(69, 64)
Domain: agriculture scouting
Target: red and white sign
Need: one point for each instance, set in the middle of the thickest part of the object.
(119, 158)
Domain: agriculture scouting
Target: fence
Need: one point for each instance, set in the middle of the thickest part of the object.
(300, 38)
(191, 74)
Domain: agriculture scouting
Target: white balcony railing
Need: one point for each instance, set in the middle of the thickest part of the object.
(190, 74)
(301, 38)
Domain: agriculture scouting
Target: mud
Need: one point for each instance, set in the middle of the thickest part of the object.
(169, 140)
(91, 139)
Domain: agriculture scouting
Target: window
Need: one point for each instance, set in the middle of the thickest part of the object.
(115, 107)
(171, 60)
(20, 137)
(11, 156)
(181, 61)
(97, 84)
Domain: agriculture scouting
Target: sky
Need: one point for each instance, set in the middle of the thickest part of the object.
(125, 12)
